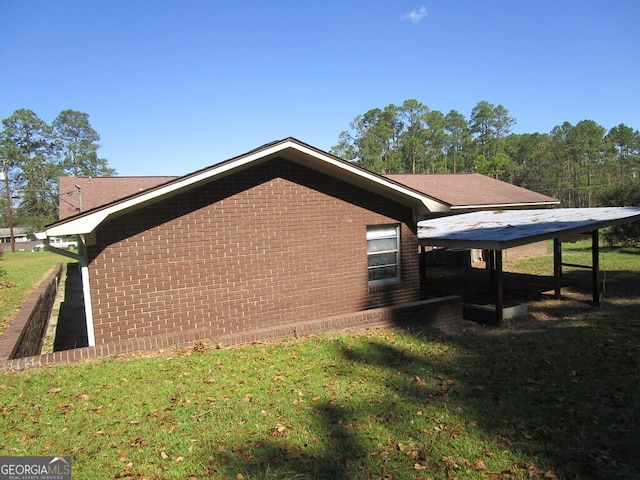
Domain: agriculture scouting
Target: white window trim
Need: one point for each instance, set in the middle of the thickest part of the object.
(385, 231)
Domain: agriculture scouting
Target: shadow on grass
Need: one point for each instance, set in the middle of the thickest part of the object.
(546, 399)
(473, 285)
(276, 457)
(565, 399)
(568, 395)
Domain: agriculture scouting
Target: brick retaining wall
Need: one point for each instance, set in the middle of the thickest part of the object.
(439, 316)
(25, 335)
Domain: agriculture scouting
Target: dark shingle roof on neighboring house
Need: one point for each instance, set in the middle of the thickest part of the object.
(473, 191)
(92, 192)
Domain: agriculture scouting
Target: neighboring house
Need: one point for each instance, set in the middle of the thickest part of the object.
(282, 234)
(19, 235)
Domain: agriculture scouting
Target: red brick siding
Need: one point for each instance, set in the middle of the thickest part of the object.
(273, 245)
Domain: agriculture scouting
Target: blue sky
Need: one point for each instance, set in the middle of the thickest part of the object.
(174, 86)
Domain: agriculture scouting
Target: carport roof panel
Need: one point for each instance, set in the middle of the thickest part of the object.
(500, 229)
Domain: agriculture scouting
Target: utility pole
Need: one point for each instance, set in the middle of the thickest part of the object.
(5, 177)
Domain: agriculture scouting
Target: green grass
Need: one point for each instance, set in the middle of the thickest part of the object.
(561, 400)
(24, 271)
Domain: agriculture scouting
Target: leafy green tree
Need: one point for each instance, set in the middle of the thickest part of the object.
(436, 142)
(559, 153)
(480, 125)
(626, 142)
(625, 194)
(534, 167)
(77, 143)
(491, 124)
(35, 155)
(457, 142)
(29, 151)
(347, 147)
(590, 154)
(498, 166)
(373, 144)
(413, 137)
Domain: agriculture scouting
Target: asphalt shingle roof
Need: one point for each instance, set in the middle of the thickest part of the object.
(472, 190)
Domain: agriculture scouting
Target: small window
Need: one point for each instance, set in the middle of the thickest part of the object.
(383, 252)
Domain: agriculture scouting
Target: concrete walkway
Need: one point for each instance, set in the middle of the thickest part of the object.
(71, 331)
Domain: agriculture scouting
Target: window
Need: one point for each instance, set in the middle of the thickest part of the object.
(383, 253)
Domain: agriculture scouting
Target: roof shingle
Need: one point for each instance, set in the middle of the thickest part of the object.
(468, 190)
(84, 193)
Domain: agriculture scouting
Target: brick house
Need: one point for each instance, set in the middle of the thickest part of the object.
(281, 234)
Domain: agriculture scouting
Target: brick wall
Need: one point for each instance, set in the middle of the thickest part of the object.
(25, 335)
(274, 245)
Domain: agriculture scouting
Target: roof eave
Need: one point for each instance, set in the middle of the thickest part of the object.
(506, 205)
(297, 151)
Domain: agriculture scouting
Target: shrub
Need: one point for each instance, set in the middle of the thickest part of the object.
(622, 195)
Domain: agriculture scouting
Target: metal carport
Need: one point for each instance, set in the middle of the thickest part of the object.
(497, 230)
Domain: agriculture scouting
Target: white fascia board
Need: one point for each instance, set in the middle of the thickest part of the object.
(503, 205)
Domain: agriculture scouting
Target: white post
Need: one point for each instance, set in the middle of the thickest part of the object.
(88, 310)
(86, 289)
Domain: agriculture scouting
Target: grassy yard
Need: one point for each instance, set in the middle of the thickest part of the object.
(556, 395)
(24, 271)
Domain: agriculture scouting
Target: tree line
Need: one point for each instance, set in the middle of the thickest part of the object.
(582, 165)
(577, 164)
(35, 154)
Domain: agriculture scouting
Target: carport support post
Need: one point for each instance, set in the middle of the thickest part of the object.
(595, 267)
(499, 287)
(491, 265)
(557, 265)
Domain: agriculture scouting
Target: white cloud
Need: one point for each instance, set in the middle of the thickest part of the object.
(414, 16)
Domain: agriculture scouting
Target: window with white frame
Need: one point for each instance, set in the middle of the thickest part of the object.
(383, 253)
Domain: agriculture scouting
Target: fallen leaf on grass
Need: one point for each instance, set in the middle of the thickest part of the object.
(53, 391)
(138, 442)
(65, 408)
(278, 430)
(410, 450)
(7, 408)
